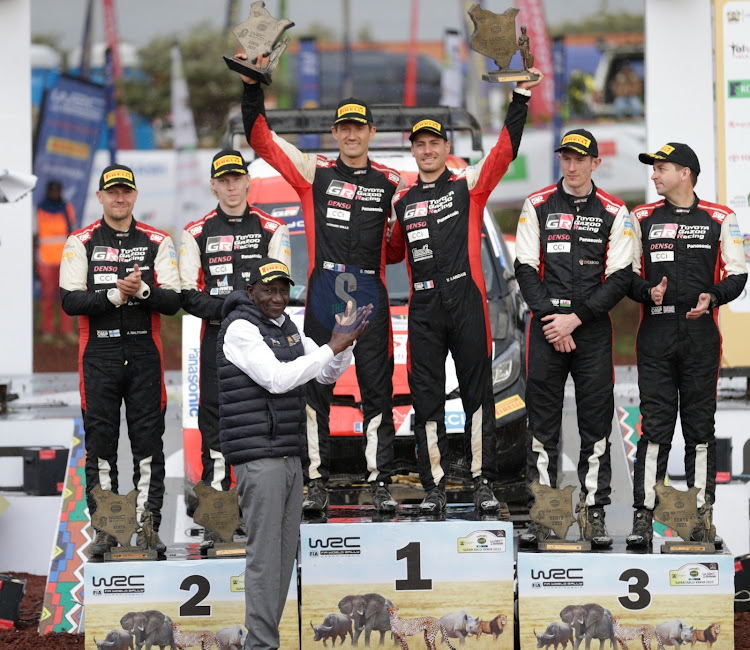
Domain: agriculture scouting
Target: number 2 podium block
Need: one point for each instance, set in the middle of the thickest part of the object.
(640, 589)
(199, 596)
(422, 568)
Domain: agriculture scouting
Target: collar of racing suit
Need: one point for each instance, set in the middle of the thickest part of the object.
(352, 171)
(577, 202)
(675, 209)
(231, 218)
(438, 182)
(118, 234)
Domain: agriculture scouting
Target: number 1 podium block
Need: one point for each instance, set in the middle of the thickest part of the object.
(198, 595)
(424, 568)
(651, 589)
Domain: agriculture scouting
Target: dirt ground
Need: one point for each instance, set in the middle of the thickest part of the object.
(25, 637)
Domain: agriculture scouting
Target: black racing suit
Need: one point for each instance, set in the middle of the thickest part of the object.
(346, 213)
(573, 255)
(439, 225)
(216, 254)
(120, 350)
(699, 250)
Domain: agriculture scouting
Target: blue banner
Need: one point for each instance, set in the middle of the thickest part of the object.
(309, 85)
(71, 119)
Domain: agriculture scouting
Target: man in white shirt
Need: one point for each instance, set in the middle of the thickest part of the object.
(264, 363)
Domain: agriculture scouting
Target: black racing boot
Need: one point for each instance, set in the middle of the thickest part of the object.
(381, 497)
(599, 536)
(434, 501)
(484, 499)
(643, 529)
(317, 497)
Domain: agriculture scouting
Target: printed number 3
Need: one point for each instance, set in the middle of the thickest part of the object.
(636, 588)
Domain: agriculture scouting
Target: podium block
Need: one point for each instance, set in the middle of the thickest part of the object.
(697, 590)
(424, 568)
(201, 595)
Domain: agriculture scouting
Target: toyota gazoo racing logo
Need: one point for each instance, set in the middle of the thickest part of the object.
(559, 220)
(663, 231)
(216, 244)
(105, 254)
(342, 189)
(415, 210)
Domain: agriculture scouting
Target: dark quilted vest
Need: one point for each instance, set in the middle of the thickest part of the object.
(254, 423)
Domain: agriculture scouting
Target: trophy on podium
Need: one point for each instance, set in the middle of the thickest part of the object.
(260, 35)
(553, 509)
(116, 515)
(679, 510)
(219, 512)
(495, 36)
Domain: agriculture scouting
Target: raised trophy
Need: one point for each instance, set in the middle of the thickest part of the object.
(116, 515)
(219, 512)
(260, 35)
(679, 510)
(495, 36)
(553, 509)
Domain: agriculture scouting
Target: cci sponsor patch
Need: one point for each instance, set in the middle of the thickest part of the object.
(415, 235)
(338, 213)
(221, 269)
(662, 256)
(558, 247)
(508, 405)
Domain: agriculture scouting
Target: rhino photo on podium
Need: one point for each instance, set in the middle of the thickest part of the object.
(260, 34)
(679, 510)
(495, 37)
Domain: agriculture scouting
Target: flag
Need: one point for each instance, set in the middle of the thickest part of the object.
(124, 129)
(189, 196)
(541, 106)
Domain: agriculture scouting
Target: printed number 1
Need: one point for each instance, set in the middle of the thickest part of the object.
(636, 588)
(414, 580)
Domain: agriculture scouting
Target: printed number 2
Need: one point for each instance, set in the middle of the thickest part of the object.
(414, 581)
(192, 607)
(636, 588)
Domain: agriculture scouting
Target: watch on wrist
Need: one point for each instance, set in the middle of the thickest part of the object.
(714, 301)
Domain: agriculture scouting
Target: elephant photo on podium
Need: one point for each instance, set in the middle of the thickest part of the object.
(368, 612)
(149, 629)
(590, 621)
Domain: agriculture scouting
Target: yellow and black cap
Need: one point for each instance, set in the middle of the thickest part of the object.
(674, 152)
(117, 175)
(581, 141)
(228, 161)
(353, 109)
(267, 269)
(433, 126)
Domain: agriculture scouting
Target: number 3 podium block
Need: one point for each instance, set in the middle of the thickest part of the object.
(683, 597)
(199, 596)
(421, 568)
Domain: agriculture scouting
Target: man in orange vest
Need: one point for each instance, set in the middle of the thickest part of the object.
(55, 221)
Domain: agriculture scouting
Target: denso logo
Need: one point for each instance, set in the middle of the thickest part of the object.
(105, 269)
(662, 246)
(344, 190)
(119, 581)
(558, 237)
(105, 254)
(220, 259)
(416, 224)
(560, 220)
(557, 574)
(663, 231)
(416, 210)
(335, 542)
(216, 244)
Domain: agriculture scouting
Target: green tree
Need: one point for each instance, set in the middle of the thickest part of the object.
(213, 88)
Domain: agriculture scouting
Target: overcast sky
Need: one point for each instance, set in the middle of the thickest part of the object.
(140, 20)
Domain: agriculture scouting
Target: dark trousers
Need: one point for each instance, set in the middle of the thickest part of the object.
(678, 367)
(106, 384)
(216, 471)
(434, 330)
(591, 367)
